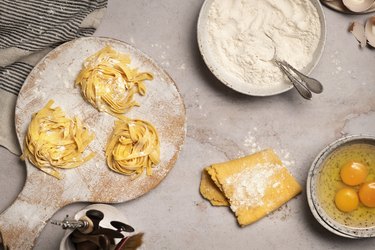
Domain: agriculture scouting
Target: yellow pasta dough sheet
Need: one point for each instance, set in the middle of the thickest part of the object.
(211, 192)
(254, 185)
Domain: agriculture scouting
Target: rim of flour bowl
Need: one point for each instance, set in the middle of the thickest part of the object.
(311, 190)
(249, 89)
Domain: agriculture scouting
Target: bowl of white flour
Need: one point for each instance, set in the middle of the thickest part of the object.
(239, 39)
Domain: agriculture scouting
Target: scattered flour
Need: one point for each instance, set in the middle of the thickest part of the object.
(336, 61)
(163, 53)
(182, 67)
(252, 144)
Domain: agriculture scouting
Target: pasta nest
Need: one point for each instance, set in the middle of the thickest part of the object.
(109, 83)
(56, 141)
(132, 147)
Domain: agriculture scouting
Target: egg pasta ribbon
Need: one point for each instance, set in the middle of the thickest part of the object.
(109, 83)
(54, 140)
(132, 147)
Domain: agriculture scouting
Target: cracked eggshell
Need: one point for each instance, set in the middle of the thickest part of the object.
(358, 5)
(358, 31)
(370, 31)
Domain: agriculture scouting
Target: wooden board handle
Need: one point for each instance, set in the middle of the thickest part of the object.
(22, 222)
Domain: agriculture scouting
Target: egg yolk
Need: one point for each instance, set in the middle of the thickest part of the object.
(346, 199)
(354, 173)
(367, 194)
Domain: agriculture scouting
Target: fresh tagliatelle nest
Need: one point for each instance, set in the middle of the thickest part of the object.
(109, 83)
(54, 140)
(133, 146)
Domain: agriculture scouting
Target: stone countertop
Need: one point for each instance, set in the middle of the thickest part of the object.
(222, 125)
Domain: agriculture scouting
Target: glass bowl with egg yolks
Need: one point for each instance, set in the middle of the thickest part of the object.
(341, 187)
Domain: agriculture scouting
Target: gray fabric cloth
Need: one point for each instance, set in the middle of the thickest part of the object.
(29, 29)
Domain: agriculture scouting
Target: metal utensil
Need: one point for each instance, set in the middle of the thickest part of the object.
(95, 216)
(69, 223)
(301, 88)
(122, 226)
(311, 83)
(302, 83)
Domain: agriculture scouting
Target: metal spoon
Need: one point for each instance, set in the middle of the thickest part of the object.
(311, 83)
(302, 89)
(304, 85)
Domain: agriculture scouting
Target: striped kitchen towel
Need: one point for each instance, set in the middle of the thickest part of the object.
(29, 29)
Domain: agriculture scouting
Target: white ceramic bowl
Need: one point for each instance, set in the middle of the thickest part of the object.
(231, 82)
(312, 185)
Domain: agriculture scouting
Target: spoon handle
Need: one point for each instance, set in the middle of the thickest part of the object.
(311, 83)
(302, 89)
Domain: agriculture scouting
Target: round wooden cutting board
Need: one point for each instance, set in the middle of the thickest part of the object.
(53, 78)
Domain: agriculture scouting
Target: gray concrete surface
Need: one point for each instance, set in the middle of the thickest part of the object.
(222, 125)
